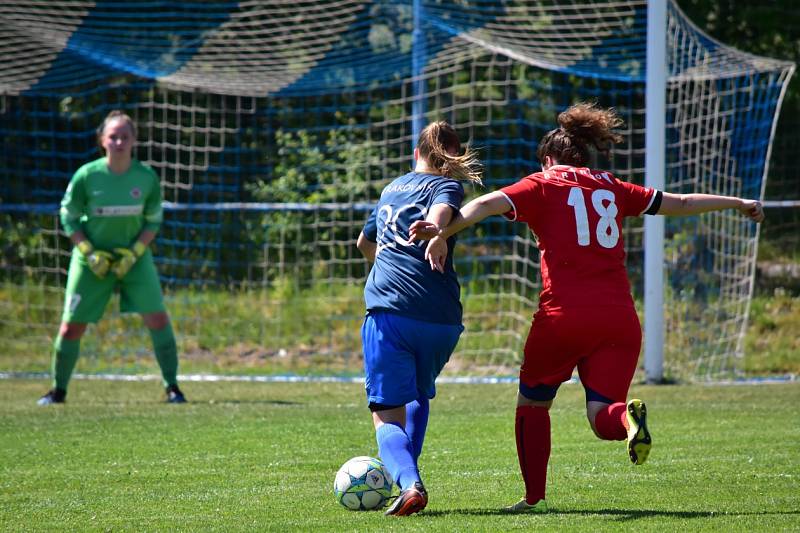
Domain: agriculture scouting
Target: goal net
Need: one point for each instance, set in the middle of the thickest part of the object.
(274, 127)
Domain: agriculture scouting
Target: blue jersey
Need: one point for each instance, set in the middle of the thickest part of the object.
(401, 280)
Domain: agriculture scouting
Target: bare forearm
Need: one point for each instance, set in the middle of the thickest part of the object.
(693, 204)
(369, 252)
(146, 237)
(77, 236)
(484, 206)
(367, 247)
(440, 214)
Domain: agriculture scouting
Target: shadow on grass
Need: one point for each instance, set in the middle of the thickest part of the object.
(249, 402)
(191, 403)
(623, 514)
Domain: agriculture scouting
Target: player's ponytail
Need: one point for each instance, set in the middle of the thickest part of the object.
(581, 126)
(440, 146)
(113, 115)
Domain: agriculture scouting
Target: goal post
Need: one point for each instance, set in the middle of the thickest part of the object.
(655, 147)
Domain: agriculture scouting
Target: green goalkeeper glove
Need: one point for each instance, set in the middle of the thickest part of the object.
(99, 261)
(127, 258)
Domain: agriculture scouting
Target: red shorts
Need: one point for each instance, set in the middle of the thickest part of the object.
(603, 342)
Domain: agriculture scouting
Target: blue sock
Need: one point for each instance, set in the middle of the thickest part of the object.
(417, 422)
(395, 450)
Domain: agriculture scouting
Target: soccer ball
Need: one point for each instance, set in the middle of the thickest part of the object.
(362, 484)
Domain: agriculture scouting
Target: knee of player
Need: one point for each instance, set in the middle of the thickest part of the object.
(387, 414)
(156, 320)
(71, 331)
(524, 401)
(540, 395)
(591, 416)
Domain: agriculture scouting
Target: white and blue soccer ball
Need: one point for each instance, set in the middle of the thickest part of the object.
(363, 484)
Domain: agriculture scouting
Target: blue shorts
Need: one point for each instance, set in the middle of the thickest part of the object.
(403, 356)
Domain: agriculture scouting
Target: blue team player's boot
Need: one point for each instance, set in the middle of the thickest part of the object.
(411, 500)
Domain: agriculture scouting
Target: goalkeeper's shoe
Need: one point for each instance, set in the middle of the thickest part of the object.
(174, 395)
(523, 506)
(53, 396)
(639, 441)
(410, 501)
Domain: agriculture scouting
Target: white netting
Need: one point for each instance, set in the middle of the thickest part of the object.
(274, 127)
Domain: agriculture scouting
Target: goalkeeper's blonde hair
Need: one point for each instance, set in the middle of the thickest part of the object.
(114, 115)
(440, 146)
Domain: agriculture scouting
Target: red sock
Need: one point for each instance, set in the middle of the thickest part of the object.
(533, 449)
(611, 422)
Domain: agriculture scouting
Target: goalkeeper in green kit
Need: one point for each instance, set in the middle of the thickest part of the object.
(111, 212)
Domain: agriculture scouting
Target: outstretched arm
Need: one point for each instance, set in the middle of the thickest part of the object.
(693, 204)
(493, 203)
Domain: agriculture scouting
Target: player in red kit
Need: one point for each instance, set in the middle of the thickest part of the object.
(586, 317)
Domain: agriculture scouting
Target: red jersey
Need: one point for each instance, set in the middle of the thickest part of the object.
(576, 215)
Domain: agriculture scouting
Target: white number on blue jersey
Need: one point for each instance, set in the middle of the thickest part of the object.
(392, 233)
(607, 230)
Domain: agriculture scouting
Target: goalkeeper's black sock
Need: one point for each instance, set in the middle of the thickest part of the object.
(166, 351)
(65, 355)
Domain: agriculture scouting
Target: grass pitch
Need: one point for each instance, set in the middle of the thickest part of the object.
(249, 456)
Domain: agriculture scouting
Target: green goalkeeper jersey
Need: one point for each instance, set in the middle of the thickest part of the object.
(112, 209)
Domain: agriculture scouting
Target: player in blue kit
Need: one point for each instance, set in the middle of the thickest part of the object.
(413, 317)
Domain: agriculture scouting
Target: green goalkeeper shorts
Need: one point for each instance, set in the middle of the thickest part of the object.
(87, 295)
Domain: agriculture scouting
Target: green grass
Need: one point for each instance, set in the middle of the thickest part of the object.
(316, 331)
(246, 456)
(772, 344)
